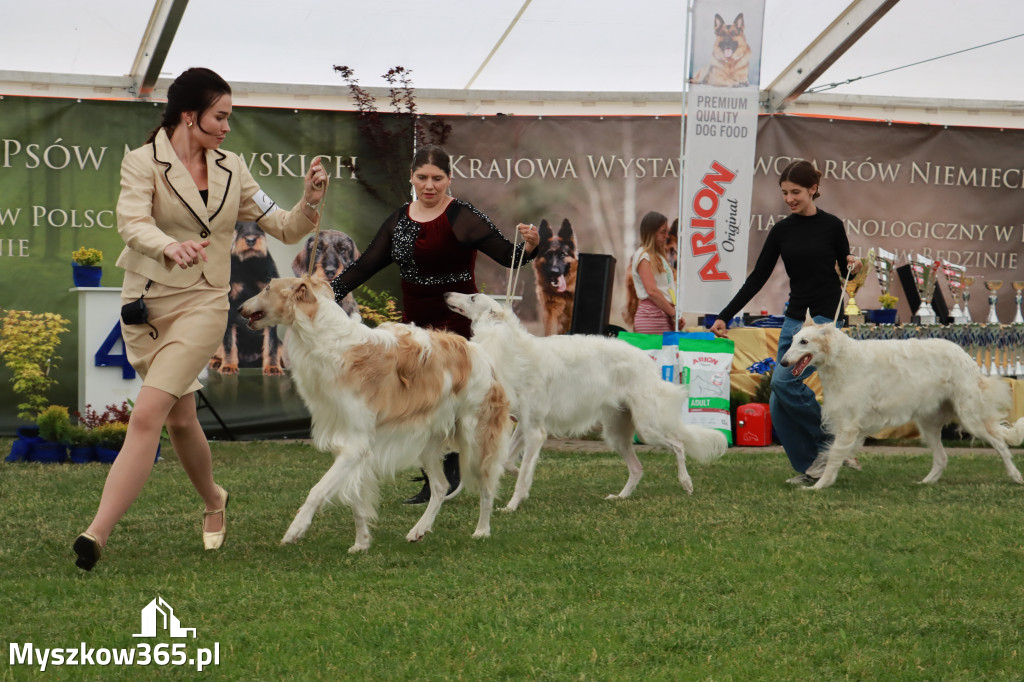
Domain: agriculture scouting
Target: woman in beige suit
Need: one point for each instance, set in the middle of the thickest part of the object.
(180, 198)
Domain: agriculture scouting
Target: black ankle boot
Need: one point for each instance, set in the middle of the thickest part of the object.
(451, 472)
(423, 496)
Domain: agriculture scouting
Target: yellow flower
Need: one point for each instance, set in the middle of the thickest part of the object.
(86, 256)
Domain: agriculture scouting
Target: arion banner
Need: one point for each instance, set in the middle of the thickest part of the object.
(721, 134)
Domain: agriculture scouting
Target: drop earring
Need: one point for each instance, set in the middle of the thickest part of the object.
(190, 124)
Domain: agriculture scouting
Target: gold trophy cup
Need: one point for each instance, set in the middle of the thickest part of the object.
(852, 310)
(1018, 288)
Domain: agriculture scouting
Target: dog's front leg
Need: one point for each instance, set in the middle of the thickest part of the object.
(532, 439)
(433, 467)
(318, 496)
(842, 447)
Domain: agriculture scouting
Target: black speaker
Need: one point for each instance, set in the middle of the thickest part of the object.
(592, 300)
(939, 304)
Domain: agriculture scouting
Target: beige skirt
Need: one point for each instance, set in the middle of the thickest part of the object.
(190, 325)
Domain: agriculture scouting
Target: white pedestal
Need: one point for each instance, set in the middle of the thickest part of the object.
(99, 316)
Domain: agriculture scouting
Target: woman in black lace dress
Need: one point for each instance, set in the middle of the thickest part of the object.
(434, 239)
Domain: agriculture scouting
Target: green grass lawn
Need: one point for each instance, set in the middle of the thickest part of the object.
(877, 578)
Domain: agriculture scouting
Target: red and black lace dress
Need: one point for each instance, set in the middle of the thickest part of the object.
(433, 257)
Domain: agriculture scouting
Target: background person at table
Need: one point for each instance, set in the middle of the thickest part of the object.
(653, 279)
(812, 245)
(434, 239)
(180, 198)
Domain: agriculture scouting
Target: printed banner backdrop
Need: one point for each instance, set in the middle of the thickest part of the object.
(952, 193)
(721, 130)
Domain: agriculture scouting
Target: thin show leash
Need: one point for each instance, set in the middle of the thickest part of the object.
(513, 279)
(835, 320)
(318, 210)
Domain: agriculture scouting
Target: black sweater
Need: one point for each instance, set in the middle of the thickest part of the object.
(811, 247)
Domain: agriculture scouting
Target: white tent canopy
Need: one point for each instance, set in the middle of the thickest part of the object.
(468, 53)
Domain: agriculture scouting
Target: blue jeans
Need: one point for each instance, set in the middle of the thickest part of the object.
(796, 414)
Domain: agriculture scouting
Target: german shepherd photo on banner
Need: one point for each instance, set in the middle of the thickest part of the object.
(555, 270)
(730, 57)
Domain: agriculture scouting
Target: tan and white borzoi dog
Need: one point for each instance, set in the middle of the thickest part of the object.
(870, 385)
(385, 399)
(567, 385)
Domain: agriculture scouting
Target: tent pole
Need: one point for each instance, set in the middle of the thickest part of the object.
(682, 162)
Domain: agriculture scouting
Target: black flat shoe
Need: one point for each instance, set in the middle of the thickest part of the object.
(88, 550)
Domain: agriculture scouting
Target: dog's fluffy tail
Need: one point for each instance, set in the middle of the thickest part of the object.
(997, 399)
(704, 444)
(1013, 434)
(661, 421)
(492, 440)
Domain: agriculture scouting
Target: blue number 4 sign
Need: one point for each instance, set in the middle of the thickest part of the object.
(106, 358)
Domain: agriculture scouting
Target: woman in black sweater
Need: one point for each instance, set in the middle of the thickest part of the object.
(812, 244)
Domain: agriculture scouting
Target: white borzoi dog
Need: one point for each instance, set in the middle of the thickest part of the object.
(385, 399)
(870, 385)
(567, 385)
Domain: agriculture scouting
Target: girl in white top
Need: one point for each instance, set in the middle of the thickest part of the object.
(653, 278)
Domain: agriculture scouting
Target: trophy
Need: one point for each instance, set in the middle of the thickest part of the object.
(955, 277)
(1018, 288)
(924, 270)
(993, 286)
(853, 312)
(965, 296)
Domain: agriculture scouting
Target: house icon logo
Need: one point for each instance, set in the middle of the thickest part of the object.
(159, 613)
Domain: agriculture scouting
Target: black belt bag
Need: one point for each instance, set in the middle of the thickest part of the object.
(136, 312)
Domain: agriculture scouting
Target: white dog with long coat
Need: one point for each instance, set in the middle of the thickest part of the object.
(385, 399)
(567, 385)
(872, 384)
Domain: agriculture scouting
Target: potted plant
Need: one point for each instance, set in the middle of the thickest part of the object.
(53, 423)
(85, 267)
(109, 439)
(81, 442)
(887, 315)
(28, 344)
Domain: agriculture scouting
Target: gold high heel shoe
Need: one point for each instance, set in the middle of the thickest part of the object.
(213, 540)
(88, 549)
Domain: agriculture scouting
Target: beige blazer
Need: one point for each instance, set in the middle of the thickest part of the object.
(160, 204)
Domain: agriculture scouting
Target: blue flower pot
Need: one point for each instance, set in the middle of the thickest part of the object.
(86, 275)
(106, 454)
(49, 452)
(82, 454)
(21, 448)
(884, 316)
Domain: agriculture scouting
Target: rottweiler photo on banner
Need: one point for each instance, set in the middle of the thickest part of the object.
(718, 165)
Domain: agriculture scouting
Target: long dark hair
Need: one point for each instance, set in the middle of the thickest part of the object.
(802, 173)
(432, 155)
(197, 89)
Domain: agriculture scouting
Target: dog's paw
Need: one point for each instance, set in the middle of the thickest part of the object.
(1016, 477)
(227, 368)
(613, 497)
(272, 371)
(358, 547)
(415, 535)
(482, 534)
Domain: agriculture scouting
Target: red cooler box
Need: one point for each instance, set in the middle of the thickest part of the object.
(753, 424)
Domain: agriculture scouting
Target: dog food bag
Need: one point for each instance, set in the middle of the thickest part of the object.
(704, 369)
(653, 345)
